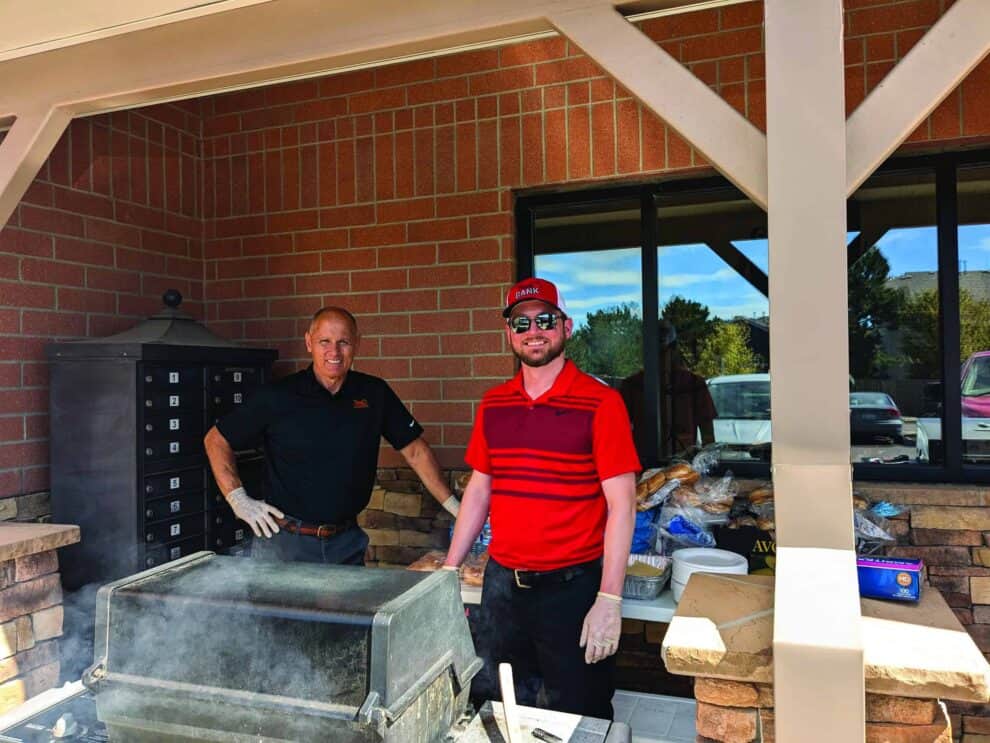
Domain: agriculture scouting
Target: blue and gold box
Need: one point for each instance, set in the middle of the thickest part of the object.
(894, 578)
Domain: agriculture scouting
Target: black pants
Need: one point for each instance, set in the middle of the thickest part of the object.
(537, 630)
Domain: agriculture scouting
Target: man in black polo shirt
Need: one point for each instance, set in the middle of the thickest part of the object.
(321, 428)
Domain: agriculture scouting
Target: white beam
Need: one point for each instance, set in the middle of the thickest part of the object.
(23, 152)
(734, 145)
(817, 639)
(943, 57)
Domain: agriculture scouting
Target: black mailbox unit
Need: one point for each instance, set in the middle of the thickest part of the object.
(128, 416)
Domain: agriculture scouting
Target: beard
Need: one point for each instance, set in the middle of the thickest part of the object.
(551, 352)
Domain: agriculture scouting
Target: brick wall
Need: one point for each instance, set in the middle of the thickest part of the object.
(112, 219)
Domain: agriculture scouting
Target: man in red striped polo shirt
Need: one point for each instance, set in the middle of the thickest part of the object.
(555, 465)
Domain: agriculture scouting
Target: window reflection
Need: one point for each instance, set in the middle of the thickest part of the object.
(974, 312)
(894, 339)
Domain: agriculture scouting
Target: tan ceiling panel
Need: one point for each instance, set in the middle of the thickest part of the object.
(32, 26)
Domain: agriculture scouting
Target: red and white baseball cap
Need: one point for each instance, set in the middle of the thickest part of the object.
(534, 289)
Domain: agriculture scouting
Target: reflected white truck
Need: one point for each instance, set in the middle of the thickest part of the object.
(742, 404)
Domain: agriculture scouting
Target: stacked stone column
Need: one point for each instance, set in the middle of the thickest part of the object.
(30, 622)
(737, 712)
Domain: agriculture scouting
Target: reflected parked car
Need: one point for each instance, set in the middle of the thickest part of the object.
(975, 375)
(975, 391)
(875, 415)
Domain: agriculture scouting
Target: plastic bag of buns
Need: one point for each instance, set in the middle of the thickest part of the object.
(714, 496)
(649, 483)
(760, 501)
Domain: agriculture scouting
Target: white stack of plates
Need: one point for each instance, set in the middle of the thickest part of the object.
(704, 560)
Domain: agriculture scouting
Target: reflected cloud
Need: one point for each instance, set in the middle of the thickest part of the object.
(680, 280)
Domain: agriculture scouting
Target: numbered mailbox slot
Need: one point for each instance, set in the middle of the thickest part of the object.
(163, 378)
(229, 536)
(174, 530)
(170, 507)
(172, 448)
(172, 483)
(167, 553)
(170, 403)
(180, 423)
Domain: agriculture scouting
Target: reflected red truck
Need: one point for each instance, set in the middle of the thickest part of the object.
(975, 376)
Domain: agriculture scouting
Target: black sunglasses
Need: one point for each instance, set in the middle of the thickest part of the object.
(544, 321)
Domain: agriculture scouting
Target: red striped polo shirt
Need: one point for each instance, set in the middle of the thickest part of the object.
(547, 459)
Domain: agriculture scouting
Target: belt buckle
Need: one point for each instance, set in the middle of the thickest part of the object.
(515, 572)
(324, 527)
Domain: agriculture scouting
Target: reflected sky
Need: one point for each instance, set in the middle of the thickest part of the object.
(593, 281)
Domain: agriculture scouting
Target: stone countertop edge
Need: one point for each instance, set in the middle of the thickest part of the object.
(723, 628)
(22, 539)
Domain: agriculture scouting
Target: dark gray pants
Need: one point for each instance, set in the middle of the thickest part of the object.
(346, 548)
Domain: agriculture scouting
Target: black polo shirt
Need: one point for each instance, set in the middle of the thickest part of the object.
(321, 449)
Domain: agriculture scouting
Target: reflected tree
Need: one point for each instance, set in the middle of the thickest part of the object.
(693, 324)
(610, 343)
(919, 319)
(726, 350)
(874, 308)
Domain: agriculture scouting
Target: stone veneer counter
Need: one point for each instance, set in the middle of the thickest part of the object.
(914, 655)
(723, 628)
(31, 612)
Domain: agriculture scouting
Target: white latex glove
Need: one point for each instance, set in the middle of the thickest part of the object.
(255, 513)
(452, 506)
(602, 627)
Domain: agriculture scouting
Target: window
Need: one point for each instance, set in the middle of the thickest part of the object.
(668, 288)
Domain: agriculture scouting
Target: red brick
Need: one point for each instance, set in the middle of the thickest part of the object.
(378, 235)
(12, 428)
(514, 78)
(48, 220)
(424, 183)
(946, 119)
(439, 276)
(411, 255)
(976, 100)
(892, 18)
(627, 134)
(241, 268)
(404, 165)
(603, 139)
(532, 149)
(294, 264)
(410, 346)
(54, 324)
(20, 455)
(10, 322)
(579, 136)
(744, 14)
(533, 51)
(461, 298)
(81, 251)
(470, 344)
(466, 160)
(25, 243)
(510, 151)
(488, 154)
(725, 44)
(322, 283)
(565, 70)
(496, 224)
(409, 301)
(475, 203)
(433, 230)
(445, 160)
(683, 24)
(24, 401)
(438, 90)
(678, 150)
(17, 294)
(384, 178)
(308, 219)
(266, 245)
(468, 251)
(140, 261)
(345, 260)
(555, 146)
(348, 82)
(467, 62)
(405, 210)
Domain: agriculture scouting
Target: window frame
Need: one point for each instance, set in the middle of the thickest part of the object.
(530, 205)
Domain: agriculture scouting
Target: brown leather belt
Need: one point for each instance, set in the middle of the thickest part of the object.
(321, 531)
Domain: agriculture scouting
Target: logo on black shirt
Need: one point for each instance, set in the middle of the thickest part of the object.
(361, 403)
